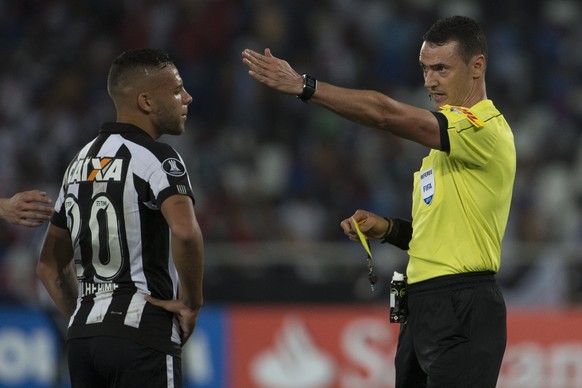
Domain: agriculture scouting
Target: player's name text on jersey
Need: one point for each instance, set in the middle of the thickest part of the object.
(95, 170)
(93, 288)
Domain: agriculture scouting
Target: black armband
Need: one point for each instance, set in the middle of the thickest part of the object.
(443, 126)
(400, 233)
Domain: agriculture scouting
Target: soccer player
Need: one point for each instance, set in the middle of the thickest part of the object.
(123, 255)
(28, 208)
(455, 334)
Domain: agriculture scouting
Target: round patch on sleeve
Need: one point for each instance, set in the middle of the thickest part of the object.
(173, 167)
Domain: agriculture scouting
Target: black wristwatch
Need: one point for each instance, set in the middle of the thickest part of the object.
(309, 86)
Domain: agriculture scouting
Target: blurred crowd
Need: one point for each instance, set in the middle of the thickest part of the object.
(266, 167)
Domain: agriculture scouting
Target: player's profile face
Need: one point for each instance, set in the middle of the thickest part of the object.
(171, 102)
(447, 77)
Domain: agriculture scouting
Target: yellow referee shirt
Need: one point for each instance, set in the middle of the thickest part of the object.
(461, 198)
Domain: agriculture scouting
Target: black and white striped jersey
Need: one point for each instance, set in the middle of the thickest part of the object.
(110, 202)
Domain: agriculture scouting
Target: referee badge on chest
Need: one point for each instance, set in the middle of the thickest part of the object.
(427, 185)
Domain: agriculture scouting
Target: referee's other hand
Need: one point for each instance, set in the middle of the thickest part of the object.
(371, 225)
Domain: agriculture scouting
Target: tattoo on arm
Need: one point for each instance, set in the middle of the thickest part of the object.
(67, 284)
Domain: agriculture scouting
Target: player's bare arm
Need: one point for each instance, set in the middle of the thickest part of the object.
(28, 208)
(366, 107)
(56, 270)
(188, 254)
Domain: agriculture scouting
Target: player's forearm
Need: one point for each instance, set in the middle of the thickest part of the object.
(61, 286)
(7, 212)
(189, 261)
(56, 269)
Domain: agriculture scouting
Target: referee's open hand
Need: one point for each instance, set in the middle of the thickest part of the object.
(186, 316)
(272, 71)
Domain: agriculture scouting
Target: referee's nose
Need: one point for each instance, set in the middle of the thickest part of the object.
(429, 79)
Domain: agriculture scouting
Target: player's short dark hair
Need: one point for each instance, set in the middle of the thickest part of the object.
(463, 30)
(134, 60)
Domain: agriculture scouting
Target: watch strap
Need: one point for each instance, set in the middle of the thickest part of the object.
(309, 86)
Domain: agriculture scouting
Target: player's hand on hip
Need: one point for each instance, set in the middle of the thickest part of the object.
(185, 315)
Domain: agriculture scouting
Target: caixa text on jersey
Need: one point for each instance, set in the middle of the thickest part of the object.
(95, 170)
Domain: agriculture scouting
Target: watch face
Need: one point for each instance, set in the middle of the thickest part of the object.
(309, 85)
(310, 82)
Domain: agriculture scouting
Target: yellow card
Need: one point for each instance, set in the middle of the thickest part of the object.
(363, 238)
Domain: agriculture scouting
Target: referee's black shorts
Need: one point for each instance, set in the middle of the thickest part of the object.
(107, 362)
(455, 335)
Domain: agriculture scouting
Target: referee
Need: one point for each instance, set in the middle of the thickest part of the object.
(123, 255)
(455, 334)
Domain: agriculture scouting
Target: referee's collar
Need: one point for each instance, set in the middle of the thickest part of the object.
(115, 127)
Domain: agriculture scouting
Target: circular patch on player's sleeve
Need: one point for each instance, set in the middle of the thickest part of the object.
(173, 167)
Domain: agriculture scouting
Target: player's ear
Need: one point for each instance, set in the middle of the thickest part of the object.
(144, 103)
